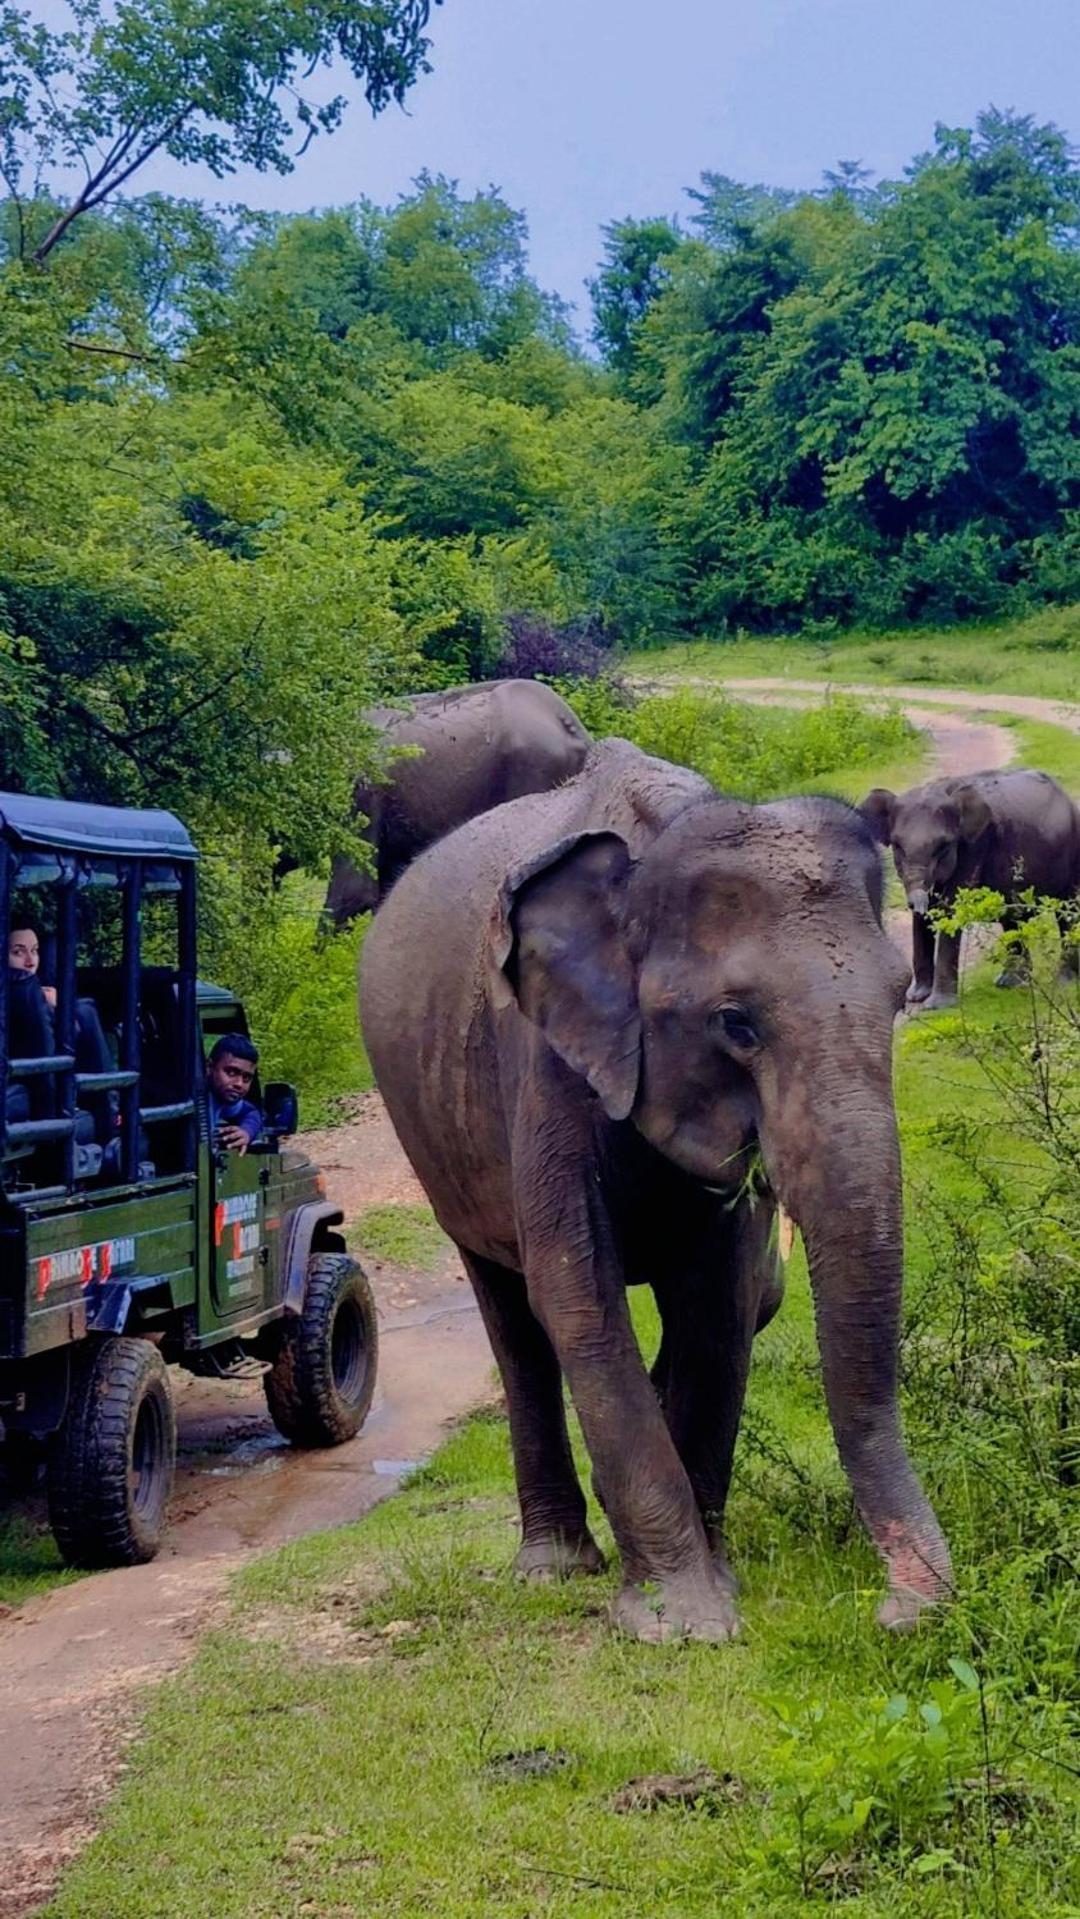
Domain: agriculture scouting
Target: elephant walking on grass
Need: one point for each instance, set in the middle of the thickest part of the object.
(588, 1012)
(473, 747)
(1006, 831)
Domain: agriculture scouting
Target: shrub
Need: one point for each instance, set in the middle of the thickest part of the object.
(757, 752)
(537, 649)
(991, 1353)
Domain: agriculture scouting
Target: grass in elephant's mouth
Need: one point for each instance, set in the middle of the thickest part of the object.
(389, 1725)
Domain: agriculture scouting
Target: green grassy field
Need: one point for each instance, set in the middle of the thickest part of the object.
(1052, 748)
(388, 1724)
(1040, 655)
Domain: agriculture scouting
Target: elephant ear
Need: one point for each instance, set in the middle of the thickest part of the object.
(560, 953)
(975, 815)
(879, 811)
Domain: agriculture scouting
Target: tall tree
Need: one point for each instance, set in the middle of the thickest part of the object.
(635, 270)
(217, 82)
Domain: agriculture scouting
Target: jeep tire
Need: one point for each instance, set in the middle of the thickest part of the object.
(110, 1467)
(320, 1385)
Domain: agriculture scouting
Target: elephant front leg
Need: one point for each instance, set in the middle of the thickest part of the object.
(671, 1587)
(946, 972)
(922, 959)
(555, 1539)
(727, 1283)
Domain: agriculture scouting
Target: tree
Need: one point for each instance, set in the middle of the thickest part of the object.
(728, 211)
(635, 269)
(214, 82)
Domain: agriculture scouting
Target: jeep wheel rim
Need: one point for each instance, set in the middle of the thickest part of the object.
(348, 1352)
(145, 1482)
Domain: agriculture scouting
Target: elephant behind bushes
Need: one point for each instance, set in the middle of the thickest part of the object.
(479, 745)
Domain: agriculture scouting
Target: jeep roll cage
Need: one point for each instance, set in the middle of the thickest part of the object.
(47, 1095)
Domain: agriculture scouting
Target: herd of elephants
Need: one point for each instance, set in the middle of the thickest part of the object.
(617, 1020)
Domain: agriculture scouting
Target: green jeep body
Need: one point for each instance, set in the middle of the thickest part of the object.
(147, 1232)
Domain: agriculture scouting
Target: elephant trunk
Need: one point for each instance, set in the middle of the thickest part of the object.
(350, 893)
(844, 1192)
(918, 899)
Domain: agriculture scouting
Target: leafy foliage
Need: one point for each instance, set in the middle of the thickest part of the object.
(881, 389)
(213, 82)
(757, 752)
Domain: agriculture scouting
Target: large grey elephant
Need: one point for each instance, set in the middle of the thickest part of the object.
(477, 746)
(1006, 831)
(589, 1013)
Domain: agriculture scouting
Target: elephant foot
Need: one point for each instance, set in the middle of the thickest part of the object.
(558, 1556)
(1011, 977)
(937, 1002)
(682, 1606)
(917, 993)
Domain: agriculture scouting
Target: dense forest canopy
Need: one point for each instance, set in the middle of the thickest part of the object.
(259, 469)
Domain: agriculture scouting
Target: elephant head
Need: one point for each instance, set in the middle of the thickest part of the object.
(733, 991)
(927, 829)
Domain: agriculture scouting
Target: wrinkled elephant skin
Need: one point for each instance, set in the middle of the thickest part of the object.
(470, 748)
(588, 1013)
(1006, 831)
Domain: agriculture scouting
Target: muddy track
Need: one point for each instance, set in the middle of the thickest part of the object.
(74, 1664)
(1019, 706)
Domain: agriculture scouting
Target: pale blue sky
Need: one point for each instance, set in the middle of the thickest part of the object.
(583, 111)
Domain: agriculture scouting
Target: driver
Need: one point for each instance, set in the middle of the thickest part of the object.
(235, 1120)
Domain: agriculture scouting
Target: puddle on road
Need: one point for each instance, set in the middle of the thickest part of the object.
(397, 1468)
(262, 1452)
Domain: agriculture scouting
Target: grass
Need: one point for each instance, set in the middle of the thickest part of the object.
(30, 1562)
(389, 1725)
(1052, 748)
(1040, 655)
(406, 1235)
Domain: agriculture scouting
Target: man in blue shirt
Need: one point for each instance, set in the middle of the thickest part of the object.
(234, 1119)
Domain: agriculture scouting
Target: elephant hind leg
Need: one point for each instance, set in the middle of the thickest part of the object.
(555, 1539)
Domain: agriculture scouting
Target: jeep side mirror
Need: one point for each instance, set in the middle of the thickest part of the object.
(281, 1113)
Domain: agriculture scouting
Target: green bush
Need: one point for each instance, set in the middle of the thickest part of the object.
(892, 1782)
(991, 1350)
(759, 752)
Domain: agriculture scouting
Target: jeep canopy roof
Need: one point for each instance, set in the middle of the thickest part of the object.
(69, 826)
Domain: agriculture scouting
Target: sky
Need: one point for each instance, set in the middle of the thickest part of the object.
(586, 111)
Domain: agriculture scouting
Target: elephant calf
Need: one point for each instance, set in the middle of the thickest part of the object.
(480, 745)
(588, 1012)
(1006, 831)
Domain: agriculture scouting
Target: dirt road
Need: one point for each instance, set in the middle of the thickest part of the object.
(1020, 706)
(74, 1664)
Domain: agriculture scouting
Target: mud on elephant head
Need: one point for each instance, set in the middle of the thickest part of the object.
(641, 1003)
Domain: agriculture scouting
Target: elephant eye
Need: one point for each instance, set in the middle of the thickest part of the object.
(735, 1025)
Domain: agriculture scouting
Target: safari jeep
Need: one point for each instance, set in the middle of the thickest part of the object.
(128, 1242)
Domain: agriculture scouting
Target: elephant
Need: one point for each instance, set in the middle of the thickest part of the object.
(482, 744)
(1008, 831)
(595, 1016)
